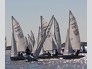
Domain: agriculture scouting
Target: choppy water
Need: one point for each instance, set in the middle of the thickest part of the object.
(46, 63)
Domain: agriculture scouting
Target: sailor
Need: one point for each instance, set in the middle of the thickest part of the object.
(62, 50)
(30, 56)
(56, 53)
(77, 53)
(49, 53)
(83, 47)
(21, 54)
(28, 51)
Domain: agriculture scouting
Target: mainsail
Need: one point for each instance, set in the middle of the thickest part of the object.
(32, 38)
(18, 34)
(38, 40)
(68, 47)
(44, 25)
(13, 46)
(30, 44)
(40, 45)
(72, 43)
(57, 34)
(26, 42)
(39, 35)
(74, 32)
(54, 47)
(47, 45)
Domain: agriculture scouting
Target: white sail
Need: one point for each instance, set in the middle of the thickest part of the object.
(44, 25)
(30, 44)
(47, 45)
(26, 42)
(18, 34)
(54, 46)
(68, 48)
(13, 46)
(32, 38)
(40, 45)
(72, 39)
(39, 35)
(74, 32)
(57, 34)
(35, 46)
(38, 40)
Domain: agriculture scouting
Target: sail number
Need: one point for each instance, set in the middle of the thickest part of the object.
(18, 30)
(74, 26)
(20, 35)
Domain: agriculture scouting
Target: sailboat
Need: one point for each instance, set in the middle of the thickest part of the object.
(18, 42)
(47, 45)
(44, 24)
(40, 44)
(72, 43)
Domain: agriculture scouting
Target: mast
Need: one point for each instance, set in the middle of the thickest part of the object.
(40, 45)
(74, 32)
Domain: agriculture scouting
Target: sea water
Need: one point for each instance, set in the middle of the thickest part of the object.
(46, 63)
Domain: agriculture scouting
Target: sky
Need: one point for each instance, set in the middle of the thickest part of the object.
(28, 12)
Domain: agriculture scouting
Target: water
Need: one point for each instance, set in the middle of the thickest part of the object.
(46, 63)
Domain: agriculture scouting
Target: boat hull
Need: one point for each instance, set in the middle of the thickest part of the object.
(17, 58)
(71, 56)
(48, 57)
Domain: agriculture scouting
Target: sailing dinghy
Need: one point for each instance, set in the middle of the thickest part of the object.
(18, 42)
(72, 43)
(40, 44)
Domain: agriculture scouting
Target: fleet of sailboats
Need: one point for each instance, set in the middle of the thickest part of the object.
(47, 42)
